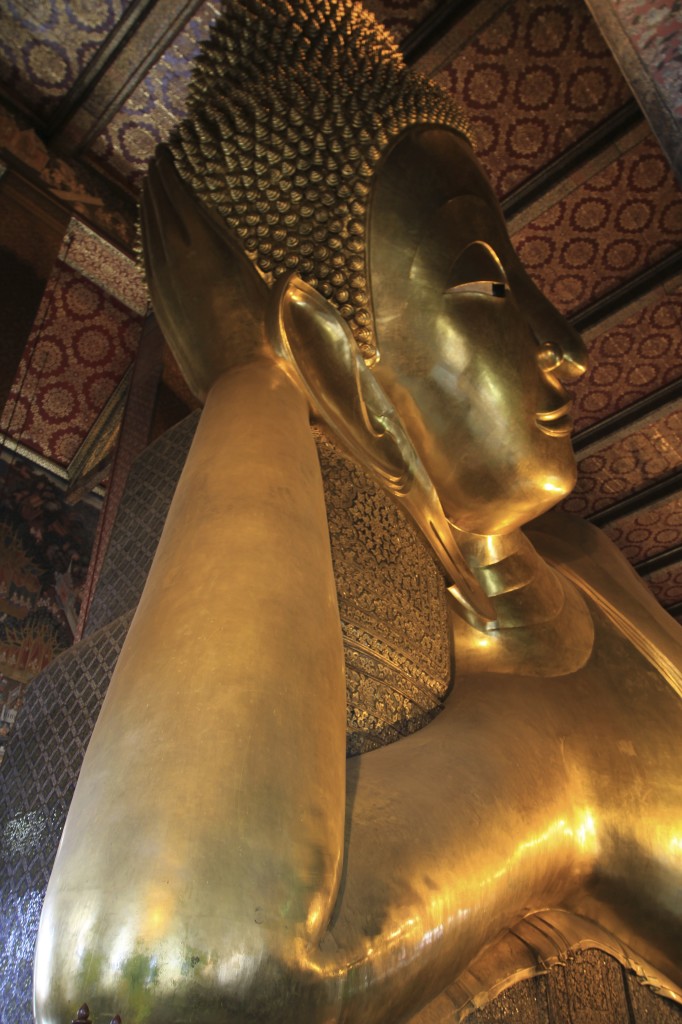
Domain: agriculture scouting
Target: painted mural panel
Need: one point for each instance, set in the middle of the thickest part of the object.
(45, 548)
(654, 28)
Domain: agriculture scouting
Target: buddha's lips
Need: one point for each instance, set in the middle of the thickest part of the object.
(556, 423)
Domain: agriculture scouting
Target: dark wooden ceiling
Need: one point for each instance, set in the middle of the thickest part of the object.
(88, 89)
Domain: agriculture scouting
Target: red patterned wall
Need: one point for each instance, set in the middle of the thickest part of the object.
(636, 355)
(400, 16)
(666, 584)
(533, 80)
(625, 218)
(650, 532)
(82, 342)
(618, 468)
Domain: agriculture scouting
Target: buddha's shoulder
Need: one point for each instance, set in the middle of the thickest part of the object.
(587, 556)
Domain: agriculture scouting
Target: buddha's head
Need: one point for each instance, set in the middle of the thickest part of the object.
(328, 159)
(472, 355)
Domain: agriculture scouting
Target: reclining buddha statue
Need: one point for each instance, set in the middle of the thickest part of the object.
(331, 786)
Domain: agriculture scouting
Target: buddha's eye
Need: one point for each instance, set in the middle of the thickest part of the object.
(477, 269)
(497, 289)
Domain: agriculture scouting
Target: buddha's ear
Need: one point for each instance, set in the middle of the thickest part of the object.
(315, 341)
(208, 297)
(317, 346)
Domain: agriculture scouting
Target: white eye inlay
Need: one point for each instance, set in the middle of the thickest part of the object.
(497, 289)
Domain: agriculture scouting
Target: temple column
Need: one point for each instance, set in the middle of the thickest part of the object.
(132, 439)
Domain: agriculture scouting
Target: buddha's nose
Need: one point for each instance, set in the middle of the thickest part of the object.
(565, 354)
(562, 351)
(565, 358)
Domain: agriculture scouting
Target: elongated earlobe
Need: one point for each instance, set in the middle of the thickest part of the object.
(216, 321)
(317, 346)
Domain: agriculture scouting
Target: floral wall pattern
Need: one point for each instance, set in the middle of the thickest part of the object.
(43, 47)
(562, 73)
(82, 342)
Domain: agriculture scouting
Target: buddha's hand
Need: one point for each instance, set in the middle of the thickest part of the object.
(208, 297)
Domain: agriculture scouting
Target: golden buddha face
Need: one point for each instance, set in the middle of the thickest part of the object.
(470, 352)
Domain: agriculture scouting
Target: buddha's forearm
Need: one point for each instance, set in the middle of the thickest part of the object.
(208, 817)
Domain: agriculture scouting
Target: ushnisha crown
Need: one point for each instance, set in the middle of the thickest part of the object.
(291, 108)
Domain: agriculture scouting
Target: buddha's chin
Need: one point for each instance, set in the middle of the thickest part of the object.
(515, 509)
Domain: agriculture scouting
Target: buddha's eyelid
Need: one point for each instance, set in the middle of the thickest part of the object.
(477, 269)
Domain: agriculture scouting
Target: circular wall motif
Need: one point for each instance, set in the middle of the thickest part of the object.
(657, 466)
(655, 346)
(588, 39)
(93, 17)
(66, 443)
(667, 314)
(548, 31)
(536, 251)
(579, 253)
(589, 214)
(486, 131)
(640, 374)
(595, 401)
(81, 299)
(604, 374)
(484, 86)
(587, 88)
(50, 359)
(97, 390)
(575, 505)
(647, 173)
(567, 291)
(527, 137)
(138, 141)
(670, 218)
(501, 36)
(622, 254)
(608, 180)
(94, 345)
(635, 216)
(553, 217)
(537, 87)
(615, 344)
(47, 64)
(592, 464)
(624, 464)
(58, 402)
